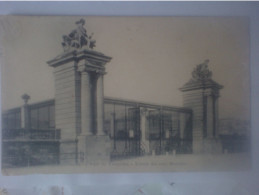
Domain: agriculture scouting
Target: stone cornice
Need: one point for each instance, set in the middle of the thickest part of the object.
(78, 55)
(211, 93)
(201, 79)
(88, 67)
(197, 84)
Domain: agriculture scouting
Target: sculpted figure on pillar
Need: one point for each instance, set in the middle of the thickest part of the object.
(201, 72)
(78, 38)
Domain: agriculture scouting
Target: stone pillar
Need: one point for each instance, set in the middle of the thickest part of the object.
(182, 124)
(112, 125)
(25, 116)
(209, 115)
(100, 105)
(75, 101)
(193, 99)
(199, 95)
(216, 117)
(143, 129)
(93, 143)
(86, 101)
(25, 121)
(67, 107)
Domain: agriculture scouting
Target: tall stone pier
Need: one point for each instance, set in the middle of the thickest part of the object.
(201, 94)
(79, 107)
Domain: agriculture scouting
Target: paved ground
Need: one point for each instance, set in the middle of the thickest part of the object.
(222, 162)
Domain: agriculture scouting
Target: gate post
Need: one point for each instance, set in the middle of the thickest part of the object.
(25, 112)
(201, 94)
(144, 130)
(79, 99)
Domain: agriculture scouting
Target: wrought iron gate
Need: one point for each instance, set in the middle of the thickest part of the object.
(134, 132)
(167, 129)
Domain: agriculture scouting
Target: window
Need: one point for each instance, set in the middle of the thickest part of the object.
(167, 124)
(52, 116)
(154, 124)
(12, 120)
(34, 118)
(119, 119)
(42, 116)
(175, 124)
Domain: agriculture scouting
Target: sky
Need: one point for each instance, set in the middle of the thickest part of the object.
(152, 57)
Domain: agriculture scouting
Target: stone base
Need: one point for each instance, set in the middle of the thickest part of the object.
(145, 147)
(68, 152)
(212, 146)
(197, 146)
(93, 149)
(207, 146)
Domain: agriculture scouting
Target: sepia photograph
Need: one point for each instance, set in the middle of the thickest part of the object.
(124, 94)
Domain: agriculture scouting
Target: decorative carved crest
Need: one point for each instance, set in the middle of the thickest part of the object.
(201, 72)
(78, 38)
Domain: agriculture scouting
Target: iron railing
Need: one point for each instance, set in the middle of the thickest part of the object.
(31, 134)
(167, 129)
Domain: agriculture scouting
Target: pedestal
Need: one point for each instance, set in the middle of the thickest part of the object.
(94, 149)
(207, 146)
(197, 146)
(75, 73)
(68, 152)
(212, 146)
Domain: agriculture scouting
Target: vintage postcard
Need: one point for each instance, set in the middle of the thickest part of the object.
(124, 94)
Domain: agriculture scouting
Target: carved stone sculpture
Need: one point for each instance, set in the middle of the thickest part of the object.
(201, 72)
(78, 38)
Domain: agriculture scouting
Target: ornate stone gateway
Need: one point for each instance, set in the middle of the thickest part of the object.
(79, 130)
(89, 133)
(79, 110)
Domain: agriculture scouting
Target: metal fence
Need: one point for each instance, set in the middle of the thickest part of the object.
(141, 129)
(29, 153)
(31, 134)
(235, 143)
(30, 147)
(135, 129)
